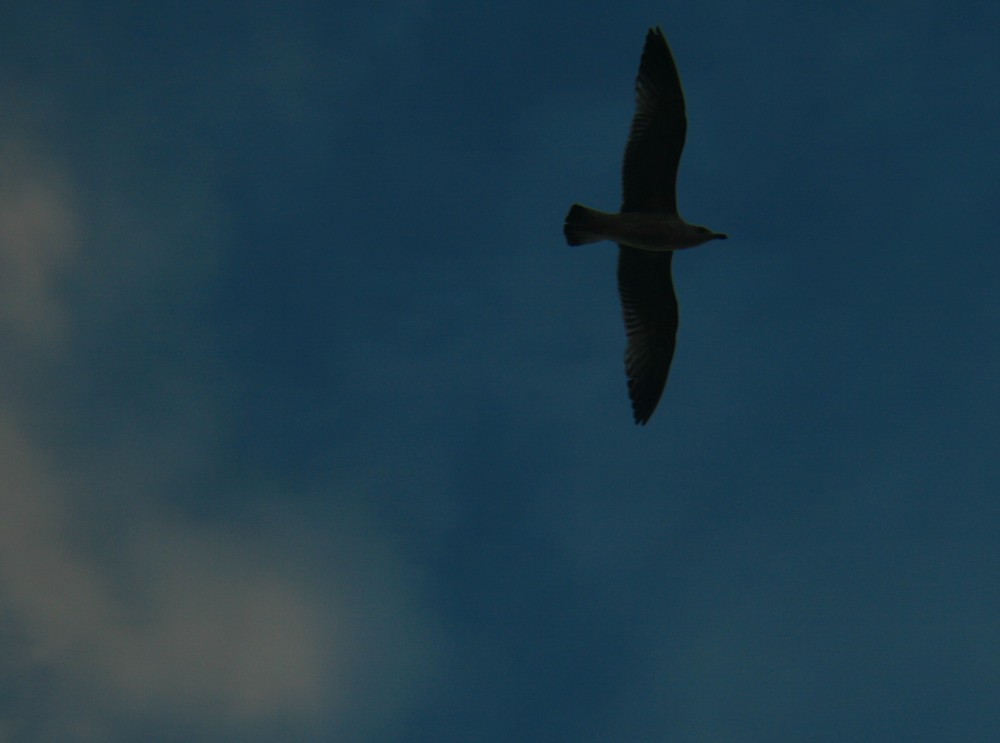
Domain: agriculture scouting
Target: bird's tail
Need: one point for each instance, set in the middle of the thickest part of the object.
(582, 225)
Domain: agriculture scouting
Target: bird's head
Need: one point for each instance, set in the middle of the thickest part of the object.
(698, 235)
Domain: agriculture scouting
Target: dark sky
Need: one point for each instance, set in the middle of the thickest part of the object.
(313, 428)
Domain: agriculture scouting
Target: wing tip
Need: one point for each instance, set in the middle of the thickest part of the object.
(644, 404)
(640, 420)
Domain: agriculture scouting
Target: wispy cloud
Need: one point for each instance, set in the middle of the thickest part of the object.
(124, 606)
(39, 239)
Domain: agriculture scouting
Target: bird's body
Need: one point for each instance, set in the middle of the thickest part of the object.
(648, 227)
(652, 231)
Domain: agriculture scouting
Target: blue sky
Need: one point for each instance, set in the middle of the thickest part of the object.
(315, 429)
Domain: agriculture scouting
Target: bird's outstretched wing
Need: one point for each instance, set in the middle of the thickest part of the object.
(649, 305)
(657, 135)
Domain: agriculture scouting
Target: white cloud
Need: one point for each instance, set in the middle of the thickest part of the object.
(187, 620)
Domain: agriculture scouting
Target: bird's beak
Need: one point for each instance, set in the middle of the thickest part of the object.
(720, 236)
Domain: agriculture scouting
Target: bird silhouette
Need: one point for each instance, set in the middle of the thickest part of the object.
(648, 227)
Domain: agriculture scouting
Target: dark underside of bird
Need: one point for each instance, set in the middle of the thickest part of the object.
(647, 227)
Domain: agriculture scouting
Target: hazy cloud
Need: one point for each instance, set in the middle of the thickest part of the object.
(39, 239)
(129, 609)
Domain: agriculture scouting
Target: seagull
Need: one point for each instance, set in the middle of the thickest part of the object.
(647, 228)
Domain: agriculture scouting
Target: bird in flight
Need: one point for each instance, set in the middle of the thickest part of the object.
(647, 228)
